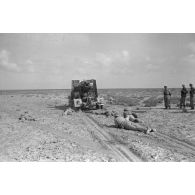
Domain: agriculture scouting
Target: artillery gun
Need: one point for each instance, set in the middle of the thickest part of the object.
(84, 94)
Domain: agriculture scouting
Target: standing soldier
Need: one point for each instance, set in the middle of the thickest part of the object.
(111, 100)
(184, 92)
(101, 102)
(192, 92)
(167, 98)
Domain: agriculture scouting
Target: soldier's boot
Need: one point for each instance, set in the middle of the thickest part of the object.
(153, 130)
(149, 130)
(192, 104)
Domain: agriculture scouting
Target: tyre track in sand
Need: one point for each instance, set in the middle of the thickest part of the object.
(121, 152)
(177, 144)
(181, 144)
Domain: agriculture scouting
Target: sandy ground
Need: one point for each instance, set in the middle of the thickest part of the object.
(46, 134)
(152, 147)
(33, 127)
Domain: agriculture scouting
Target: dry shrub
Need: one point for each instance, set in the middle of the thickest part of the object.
(153, 101)
(175, 100)
(126, 101)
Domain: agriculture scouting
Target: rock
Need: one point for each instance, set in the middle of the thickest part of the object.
(26, 117)
(107, 113)
(69, 111)
(155, 157)
(28, 149)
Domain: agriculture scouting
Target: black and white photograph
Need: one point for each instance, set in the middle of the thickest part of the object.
(97, 97)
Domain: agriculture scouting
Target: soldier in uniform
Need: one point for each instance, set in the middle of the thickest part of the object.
(121, 122)
(101, 102)
(167, 97)
(184, 92)
(130, 116)
(192, 92)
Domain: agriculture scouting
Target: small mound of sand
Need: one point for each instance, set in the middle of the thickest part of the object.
(69, 111)
(26, 117)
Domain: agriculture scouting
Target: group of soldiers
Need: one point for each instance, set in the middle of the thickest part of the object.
(130, 120)
(184, 92)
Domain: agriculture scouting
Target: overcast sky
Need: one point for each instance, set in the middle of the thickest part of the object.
(38, 61)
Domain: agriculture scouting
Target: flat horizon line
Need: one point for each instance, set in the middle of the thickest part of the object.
(98, 88)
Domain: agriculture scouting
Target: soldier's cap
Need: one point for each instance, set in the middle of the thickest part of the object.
(116, 114)
(126, 109)
(190, 84)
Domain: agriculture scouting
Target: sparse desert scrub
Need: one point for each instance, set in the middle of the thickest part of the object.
(153, 101)
(126, 101)
(123, 100)
(175, 100)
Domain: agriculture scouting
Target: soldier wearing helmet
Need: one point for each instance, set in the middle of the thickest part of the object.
(122, 123)
(184, 92)
(192, 92)
(167, 97)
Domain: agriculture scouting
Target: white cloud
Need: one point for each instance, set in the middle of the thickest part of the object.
(113, 63)
(152, 67)
(58, 39)
(190, 59)
(103, 59)
(147, 58)
(29, 66)
(125, 54)
(191, 46)
(5, 63)
(102, 64)
(121, 58)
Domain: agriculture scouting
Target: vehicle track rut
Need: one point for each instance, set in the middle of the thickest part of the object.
(185, 145)
(179, 144)
(122, 153)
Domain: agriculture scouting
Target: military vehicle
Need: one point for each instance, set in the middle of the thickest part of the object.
(84, 94)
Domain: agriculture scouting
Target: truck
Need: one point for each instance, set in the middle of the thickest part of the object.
(84, 95)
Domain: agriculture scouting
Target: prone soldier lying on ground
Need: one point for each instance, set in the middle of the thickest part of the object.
(122, 123)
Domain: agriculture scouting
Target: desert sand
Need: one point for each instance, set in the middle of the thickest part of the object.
(34, 127)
